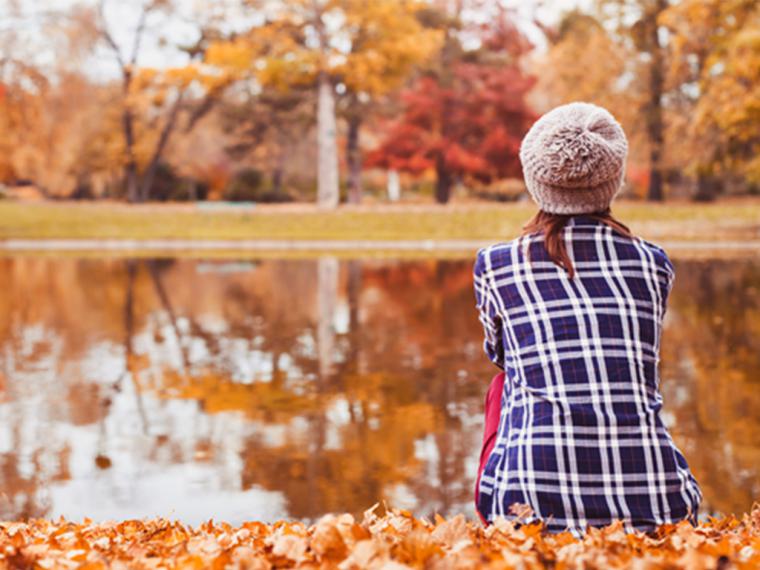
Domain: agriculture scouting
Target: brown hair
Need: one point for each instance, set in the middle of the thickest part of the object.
(552, 226)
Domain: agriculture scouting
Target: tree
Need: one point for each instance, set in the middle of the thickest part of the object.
(679, 75)
(571, 69)
(640, 33)
(48, 105)
(466, 119)
(266, 125)
(389, 39)
(168, 93)
(150, 93)
(127, 62)
(647, 37)
(289, 49)
(23, 89)
(717, 68)
(364, 48)
(630, 78)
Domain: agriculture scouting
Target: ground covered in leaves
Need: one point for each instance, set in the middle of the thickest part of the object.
(394, 540)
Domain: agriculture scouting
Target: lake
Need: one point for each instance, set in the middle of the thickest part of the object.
(274, 388)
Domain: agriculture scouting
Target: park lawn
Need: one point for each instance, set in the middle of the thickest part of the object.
(729, 220)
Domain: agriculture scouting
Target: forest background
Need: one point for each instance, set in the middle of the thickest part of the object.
(349, 101)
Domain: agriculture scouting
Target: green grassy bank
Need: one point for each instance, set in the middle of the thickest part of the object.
(680, 221)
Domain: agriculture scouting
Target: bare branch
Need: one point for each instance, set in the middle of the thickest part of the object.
(107, 35)
(139, 33)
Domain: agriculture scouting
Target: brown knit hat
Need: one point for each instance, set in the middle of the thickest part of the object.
(573, 159)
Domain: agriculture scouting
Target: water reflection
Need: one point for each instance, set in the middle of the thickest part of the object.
(259, 390)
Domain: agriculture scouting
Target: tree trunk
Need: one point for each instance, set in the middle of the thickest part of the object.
(443, 183)
(278, 171)
(129, 326)
(708, 187)
(655, 124)
(163, 296)
(128, 124)
(393, 186)
(131, 180)
(130, 169)
(277, 179)
(327, 299)
(354, 160)
(353, 296)
(158, 153)
(328, 191)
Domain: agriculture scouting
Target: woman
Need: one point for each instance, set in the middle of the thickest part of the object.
(572, 312)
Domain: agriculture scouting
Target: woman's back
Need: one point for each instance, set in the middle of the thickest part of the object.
(580, 439)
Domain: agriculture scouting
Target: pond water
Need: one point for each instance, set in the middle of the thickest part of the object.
(267, 389)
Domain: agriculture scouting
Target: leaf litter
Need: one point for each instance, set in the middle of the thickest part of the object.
(389, 540)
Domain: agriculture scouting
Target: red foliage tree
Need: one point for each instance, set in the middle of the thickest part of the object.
(467, 120)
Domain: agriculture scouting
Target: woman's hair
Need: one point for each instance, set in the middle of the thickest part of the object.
(552, 227)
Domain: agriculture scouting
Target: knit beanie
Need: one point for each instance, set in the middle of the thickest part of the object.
(573, 159)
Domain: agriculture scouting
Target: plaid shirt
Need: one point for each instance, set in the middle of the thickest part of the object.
(580, 438)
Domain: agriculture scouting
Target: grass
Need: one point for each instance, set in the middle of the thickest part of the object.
(679, 221)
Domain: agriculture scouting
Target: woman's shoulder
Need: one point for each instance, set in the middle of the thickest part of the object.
(658, 254)
(497, 255)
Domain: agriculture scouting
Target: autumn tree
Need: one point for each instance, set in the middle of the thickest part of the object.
(388, 40)
(152, 100)
(22, 91)
(638, 29)
(363, 49)
(466, 117)
(571, 69)
(52, 114)
(716, 65)
(633, 79)
(127, 60)
(693, 65)
(618, 56)
(266, 125)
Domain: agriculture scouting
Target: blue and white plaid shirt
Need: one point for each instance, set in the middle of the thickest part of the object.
(580, 438)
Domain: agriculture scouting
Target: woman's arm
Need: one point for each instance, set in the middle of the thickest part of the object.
(488, 312)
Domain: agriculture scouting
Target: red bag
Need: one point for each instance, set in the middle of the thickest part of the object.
(492, 413)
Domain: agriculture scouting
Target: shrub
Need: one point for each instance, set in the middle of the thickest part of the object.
(82, 191)
(248, 186)
(506, 190)
(168, 186)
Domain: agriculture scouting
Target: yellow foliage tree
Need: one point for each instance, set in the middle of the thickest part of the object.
(717, 57)
(364, 49)
(153, 99)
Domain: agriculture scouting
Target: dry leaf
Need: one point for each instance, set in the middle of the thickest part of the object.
(326, 540)
(449, 532)
(394, 540)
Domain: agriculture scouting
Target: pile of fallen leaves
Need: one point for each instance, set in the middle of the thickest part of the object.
(394, 541)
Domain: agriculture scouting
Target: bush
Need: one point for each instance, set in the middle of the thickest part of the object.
(82, 191)
(168, 186)
(507, 190)
(248, 186)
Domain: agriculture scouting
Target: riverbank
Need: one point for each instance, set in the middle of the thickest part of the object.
(396, 540)
(729, 221)
(308, 249)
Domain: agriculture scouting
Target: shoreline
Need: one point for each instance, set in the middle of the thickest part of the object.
(326, 246)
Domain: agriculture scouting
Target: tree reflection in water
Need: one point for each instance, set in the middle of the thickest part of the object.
(257, 390)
